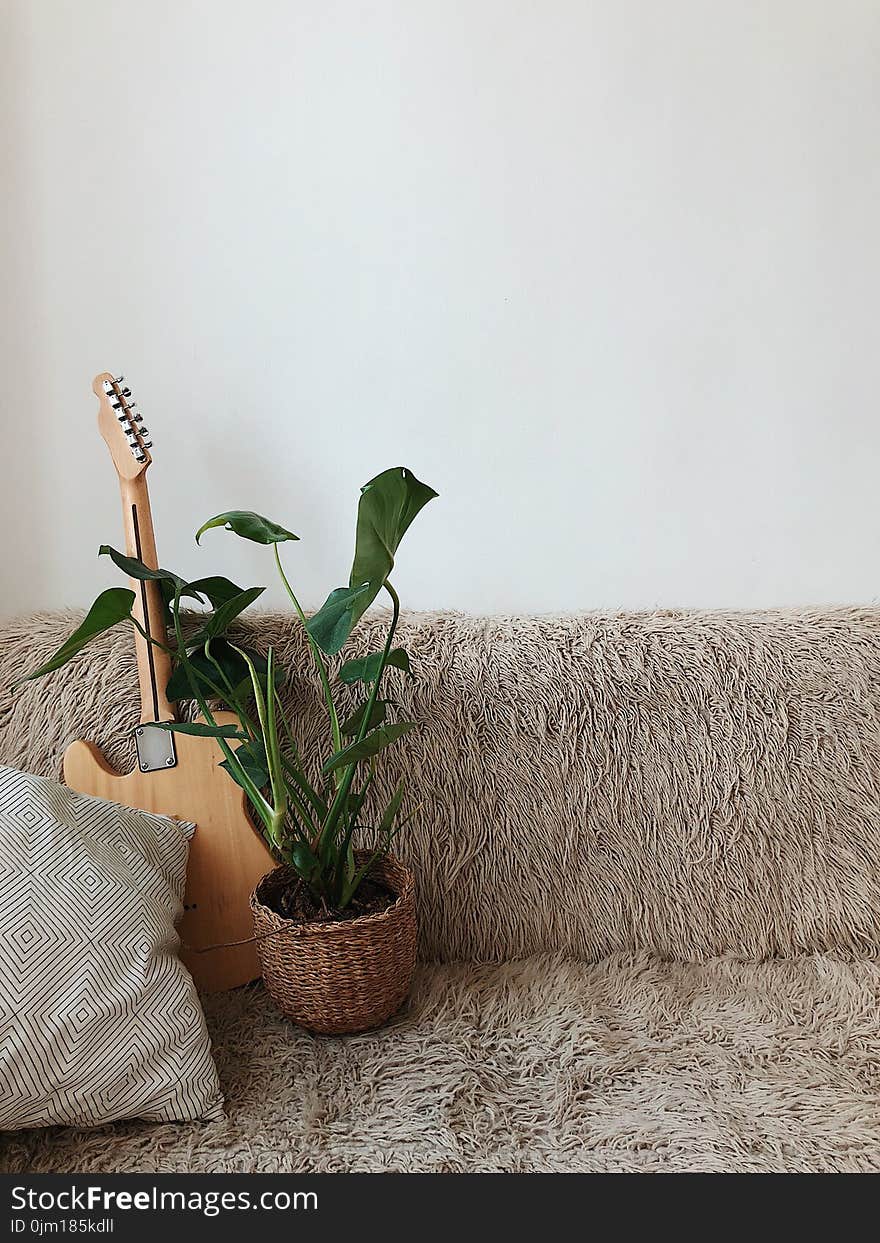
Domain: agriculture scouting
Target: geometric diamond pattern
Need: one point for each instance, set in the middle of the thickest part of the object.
(99, 1018)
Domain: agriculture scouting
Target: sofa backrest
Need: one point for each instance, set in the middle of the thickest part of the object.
(688, 783)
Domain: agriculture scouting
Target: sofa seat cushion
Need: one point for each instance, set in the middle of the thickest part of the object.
(546, 1064)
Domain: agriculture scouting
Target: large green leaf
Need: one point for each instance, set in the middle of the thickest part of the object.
(218, 621)
(110, 608)
(371, 745)
(178, 685)
(252, 757)
(366, 668)
(387, 507)
(333, 623)
(248, 525)
(218, 589)
(137, 569)
(232, 665)
(352, 725)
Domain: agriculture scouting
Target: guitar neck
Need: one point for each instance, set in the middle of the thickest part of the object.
(154, 665)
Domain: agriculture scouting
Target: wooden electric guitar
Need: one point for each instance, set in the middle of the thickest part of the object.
(177, 775)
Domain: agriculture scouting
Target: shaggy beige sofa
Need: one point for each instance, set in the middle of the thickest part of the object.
(649, 886)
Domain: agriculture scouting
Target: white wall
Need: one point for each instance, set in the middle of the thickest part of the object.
(604, 272)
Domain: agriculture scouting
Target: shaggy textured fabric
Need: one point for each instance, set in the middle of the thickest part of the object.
(624, 788)
(688, 784)
(627, 1065)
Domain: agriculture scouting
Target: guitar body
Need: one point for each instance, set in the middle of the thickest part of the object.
(227, 855)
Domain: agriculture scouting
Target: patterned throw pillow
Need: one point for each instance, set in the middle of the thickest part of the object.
(99, 1019)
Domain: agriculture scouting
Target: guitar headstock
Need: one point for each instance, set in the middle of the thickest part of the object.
(121, 424)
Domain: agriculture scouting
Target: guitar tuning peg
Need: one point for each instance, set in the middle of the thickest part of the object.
(120, 379)
(126, 392)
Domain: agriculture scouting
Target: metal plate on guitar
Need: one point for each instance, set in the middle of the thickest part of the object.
(155, 748)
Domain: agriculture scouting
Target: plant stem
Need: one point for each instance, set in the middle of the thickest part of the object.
(266, 716)
(319, 660)
(230, 697)
(155, 642)
(225, 696)
(273, 751)
(348, 773)
(368, 712)
(295, 765)
(248, 726)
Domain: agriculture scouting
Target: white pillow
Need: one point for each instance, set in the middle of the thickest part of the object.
(99, 1019)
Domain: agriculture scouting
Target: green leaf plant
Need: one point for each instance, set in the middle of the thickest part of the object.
(309, 810)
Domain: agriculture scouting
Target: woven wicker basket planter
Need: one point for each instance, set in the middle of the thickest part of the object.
(342, 977)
